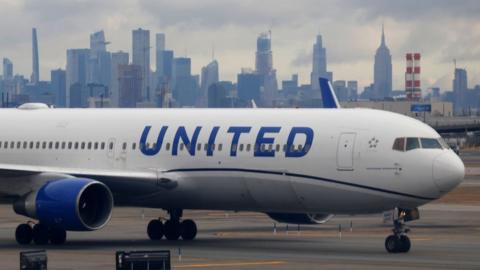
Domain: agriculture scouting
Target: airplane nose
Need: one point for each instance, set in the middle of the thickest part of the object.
(448, 171)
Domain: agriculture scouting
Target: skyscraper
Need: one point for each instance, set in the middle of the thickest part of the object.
(118, 58)
(77, 71)
(7, 69)
(382, 71)
(319, 64)
(209, 77)
(249, 86)
(264, 67)
(159, 49)
(130, 81)
(100, 62)
(59, 86)
(141, 57)
(35, 70)
(459, 91)
(184, 84)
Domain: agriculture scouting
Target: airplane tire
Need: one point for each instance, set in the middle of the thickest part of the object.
(57, 236)
(405, 243)
(172, 230)
(189, 229)
(155, 229)
(392, 244)
(40, 234)
(24, 234)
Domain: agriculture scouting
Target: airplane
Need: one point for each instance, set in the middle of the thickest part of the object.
(68, 168)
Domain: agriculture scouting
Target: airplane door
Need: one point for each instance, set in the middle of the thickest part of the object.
(345, 148)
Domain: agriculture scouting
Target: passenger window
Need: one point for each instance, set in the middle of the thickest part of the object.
(57, 144)
(430, 143)
(25, 145)
(19, 145)
(102, 145)
(50, 145)
(412, 143)
(63, 145)
(234, 147)
(147, 145)
(182, 146)
(76, 145)
(219, 147)
(95, 145)
(205, 147)
(44, 145)
(12, 145)
(31, 145)
(249, 146)
(111, 146)
(399, 144)
(124, 146)
(38, 145)
(167, 147)
(83, 145)
(89, 145)
(212, 146)
(69, 145)
(5, 145)
(134, 145)
(199, 146)
(241, 147)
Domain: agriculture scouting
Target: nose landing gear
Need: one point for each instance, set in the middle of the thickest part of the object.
(399, 242)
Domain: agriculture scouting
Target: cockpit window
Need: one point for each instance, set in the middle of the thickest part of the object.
(412, 143)
(430, 143)
(399, 144)
(443, 143)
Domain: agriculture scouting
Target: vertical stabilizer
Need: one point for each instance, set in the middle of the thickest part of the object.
(329, 98)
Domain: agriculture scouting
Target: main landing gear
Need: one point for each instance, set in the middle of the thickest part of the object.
(173, 228)
(399, 242)
(40, 234)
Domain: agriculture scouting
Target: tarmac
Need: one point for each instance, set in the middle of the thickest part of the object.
(446, 237)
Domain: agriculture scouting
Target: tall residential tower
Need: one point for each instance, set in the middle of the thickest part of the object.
(35, 70)
(141, 57)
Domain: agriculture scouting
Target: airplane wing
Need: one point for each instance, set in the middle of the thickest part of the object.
(18, 180)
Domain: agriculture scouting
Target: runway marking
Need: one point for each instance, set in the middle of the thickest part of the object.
(208, 265)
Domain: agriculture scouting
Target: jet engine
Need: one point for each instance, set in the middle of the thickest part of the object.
(300, 218)
(76, 204)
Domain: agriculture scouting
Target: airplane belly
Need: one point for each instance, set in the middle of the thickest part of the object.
(273, 192)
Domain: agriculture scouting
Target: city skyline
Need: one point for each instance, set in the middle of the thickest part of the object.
(350, 39)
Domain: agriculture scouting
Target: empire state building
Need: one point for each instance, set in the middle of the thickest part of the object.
(382, 73)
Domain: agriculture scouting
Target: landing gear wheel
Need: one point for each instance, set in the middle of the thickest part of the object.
(24, 234)
(189, 229)
(155, 229)
(172, 230)
(57, 236)
(40, 234)
(405, 243)
(392, 244)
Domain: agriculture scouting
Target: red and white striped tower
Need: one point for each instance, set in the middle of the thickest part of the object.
(412, 77)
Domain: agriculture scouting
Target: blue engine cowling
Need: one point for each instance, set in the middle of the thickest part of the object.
(300, 218)
(76, 204)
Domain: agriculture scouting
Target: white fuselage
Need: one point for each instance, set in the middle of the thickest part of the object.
(350, 166)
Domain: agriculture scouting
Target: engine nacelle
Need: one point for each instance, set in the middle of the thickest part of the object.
(76, 204)
(300, 218)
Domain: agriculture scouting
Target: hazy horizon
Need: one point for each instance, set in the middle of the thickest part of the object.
(440, 30)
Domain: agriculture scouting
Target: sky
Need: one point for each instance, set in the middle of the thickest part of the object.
(442, 30)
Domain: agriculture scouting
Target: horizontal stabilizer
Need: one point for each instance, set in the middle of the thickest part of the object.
(329, 98)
